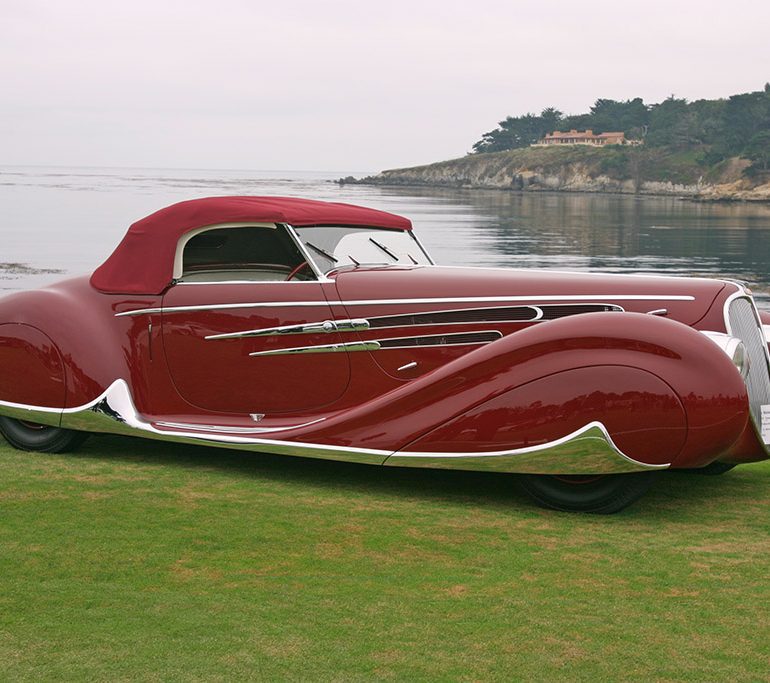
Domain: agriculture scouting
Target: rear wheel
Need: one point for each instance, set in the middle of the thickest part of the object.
(601, 494)
(30, 436)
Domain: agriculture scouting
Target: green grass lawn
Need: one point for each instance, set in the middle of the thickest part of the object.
(147, 561)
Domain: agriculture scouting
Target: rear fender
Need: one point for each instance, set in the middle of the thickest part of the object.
(94, 347)
(31, 372)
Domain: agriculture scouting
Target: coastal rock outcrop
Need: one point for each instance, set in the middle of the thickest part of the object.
(582, 169)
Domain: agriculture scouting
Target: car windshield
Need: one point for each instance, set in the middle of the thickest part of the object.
(332, 247)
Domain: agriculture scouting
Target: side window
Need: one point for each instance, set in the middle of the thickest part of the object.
(256, 254)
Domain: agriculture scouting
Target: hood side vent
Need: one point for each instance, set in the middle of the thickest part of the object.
(468, 315)
(500, 314)
(555, 311)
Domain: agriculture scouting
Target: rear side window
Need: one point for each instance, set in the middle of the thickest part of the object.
(242, 253)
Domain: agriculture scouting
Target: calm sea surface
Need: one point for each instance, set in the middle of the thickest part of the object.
(64, 221)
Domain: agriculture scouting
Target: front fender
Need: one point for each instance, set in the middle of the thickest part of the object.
(639, 414)
(671, 394)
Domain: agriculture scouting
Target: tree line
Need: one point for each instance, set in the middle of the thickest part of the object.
(718, 129)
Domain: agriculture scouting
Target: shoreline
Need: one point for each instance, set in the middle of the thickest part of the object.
(638, 172)
(696, 198)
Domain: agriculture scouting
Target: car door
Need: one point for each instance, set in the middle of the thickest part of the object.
(220, 374)
(225, 325)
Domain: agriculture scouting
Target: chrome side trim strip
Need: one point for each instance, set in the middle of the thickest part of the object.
(380, 344)
(323, 348)
(395, 302)
(235, 430)
(362, 324)
(353, 325)
(447, 339)
(589, 450)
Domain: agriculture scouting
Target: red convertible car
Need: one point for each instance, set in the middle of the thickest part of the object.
(325, 330)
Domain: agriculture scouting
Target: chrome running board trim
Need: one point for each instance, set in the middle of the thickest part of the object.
(38, 414)
(397, 302)
(114, 413)
(589, 450)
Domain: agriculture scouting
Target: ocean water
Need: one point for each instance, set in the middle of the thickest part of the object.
(57, 222)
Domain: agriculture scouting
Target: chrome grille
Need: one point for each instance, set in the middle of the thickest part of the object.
(743, 323)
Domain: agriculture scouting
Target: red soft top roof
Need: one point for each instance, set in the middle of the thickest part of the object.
(143, 262)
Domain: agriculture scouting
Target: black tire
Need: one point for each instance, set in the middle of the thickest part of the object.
(714, 469)
(27, 436)
(603, 494)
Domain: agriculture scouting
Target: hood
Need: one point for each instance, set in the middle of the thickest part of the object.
(389, 290)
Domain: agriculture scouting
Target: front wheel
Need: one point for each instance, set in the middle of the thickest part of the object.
(714, 469)
(30, 436)
(602, 494)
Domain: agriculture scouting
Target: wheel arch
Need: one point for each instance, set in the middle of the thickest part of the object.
(68, 322)
(32, 370)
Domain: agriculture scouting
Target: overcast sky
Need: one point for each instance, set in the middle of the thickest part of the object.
(341, 85)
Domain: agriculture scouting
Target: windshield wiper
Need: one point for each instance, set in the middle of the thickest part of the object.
(384, 248)
(326, 254)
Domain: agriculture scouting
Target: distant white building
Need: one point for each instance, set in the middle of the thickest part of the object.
(586, 137)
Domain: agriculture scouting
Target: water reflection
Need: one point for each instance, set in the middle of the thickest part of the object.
(598, 232)
(72, 218)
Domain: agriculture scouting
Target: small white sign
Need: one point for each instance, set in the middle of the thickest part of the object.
(766, 423)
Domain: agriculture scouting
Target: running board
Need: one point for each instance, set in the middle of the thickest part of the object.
(589, 450)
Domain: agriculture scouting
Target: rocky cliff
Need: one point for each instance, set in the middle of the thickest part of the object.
(587, 169)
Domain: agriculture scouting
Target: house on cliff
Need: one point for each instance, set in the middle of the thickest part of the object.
(586, 137)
